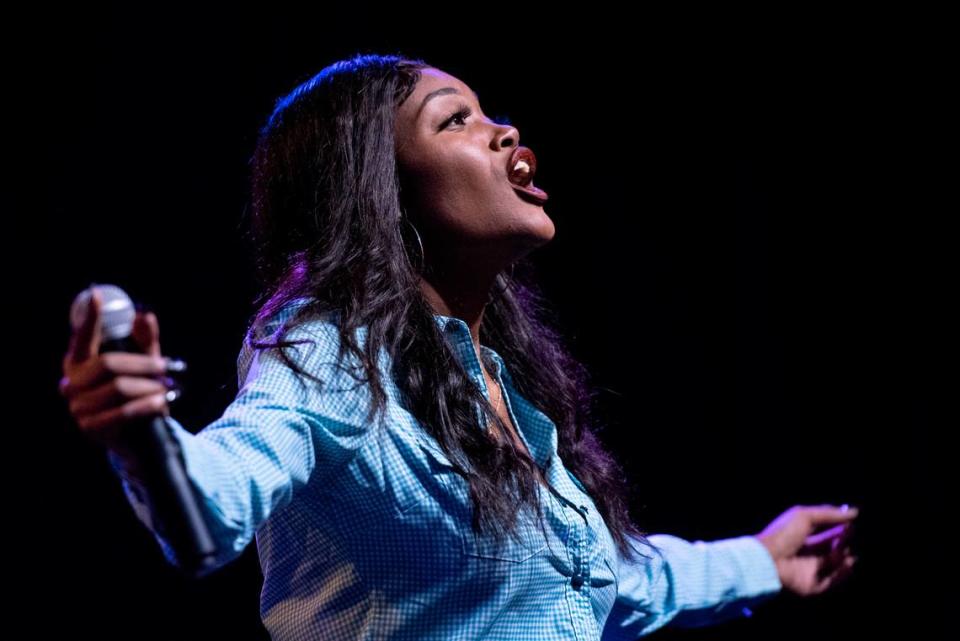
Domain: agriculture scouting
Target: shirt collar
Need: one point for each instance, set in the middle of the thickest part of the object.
(458, 329)
(538, 430)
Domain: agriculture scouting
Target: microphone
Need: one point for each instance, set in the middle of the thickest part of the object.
(177, 516)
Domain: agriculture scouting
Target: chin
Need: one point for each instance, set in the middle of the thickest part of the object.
(539, 235)
(547, 230)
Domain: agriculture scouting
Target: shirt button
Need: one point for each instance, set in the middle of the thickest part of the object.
(576, 581)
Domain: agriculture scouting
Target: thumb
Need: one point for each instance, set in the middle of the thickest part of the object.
(85, 342)
(146, 333)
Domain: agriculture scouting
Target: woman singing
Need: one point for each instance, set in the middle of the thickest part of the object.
(411, 443)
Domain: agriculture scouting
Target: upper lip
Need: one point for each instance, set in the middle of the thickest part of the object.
(522, 153)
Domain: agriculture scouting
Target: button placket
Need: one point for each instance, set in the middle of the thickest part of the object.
(513, 417)
(582, 577)
(579, 532)
(482, 384)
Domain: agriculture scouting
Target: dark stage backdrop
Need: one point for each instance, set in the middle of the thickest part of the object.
(749, 257)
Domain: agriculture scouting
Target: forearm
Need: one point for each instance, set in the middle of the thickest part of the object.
(690, 584)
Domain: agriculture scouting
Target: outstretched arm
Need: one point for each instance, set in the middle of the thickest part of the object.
(274, 437)
(690, 584)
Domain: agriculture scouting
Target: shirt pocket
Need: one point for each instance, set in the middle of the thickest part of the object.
(457, 506)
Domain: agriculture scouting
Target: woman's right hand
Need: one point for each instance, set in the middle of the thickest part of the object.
(106, 392)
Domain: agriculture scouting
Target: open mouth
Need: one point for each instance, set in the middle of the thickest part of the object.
(521, 168)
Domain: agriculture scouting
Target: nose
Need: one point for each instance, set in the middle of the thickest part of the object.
(508, 136)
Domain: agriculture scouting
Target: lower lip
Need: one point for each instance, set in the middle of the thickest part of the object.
(537, 194)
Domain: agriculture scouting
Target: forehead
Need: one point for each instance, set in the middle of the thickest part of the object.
(432, 79)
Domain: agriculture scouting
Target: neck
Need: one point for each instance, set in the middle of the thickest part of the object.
(461, 289)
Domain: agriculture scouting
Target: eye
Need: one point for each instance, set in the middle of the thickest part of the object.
(462, 113)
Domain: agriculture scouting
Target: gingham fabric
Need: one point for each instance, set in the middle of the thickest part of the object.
(370, 538)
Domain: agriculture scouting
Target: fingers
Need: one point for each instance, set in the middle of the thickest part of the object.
(146, 405)
(146, 332)
(86, 340)
(829, 514)
(823, 542)
(113, 391)
(823, 539)
(834, 563)
(835, 556)
(111, 420)
(838, 574)
(110, 364)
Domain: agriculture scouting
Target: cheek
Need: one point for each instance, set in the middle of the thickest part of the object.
(456, 171)
(455, 189)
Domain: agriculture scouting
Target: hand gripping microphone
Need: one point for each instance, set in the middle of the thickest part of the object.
(176, 514)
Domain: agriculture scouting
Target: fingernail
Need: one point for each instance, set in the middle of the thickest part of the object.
(175, 365)
(173, 394)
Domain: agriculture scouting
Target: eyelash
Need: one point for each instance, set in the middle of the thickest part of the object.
(463, 112)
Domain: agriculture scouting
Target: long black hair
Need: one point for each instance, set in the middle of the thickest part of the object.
(326, 225)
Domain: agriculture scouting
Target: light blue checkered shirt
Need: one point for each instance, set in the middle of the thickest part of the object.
(370, 538)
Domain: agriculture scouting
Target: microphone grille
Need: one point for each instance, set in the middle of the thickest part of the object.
(116, 310)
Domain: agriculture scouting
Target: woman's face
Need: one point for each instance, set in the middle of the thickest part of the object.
(453, 170)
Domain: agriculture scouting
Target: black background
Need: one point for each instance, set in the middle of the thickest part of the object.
(750, 256)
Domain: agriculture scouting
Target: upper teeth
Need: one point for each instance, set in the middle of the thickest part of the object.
(521, 166)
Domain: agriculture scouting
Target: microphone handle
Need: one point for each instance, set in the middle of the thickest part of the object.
(177, 516)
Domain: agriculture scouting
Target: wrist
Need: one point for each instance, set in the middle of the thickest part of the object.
(766, 545)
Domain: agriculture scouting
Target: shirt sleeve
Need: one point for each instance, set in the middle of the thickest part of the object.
(690, 584)
(279, 432)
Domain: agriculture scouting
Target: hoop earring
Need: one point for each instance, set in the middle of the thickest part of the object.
(507, 281)
(420, 262)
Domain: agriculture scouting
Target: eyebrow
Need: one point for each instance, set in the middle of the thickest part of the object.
(440, 92)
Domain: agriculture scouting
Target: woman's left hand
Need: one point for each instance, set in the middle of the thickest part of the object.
(810, 562)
